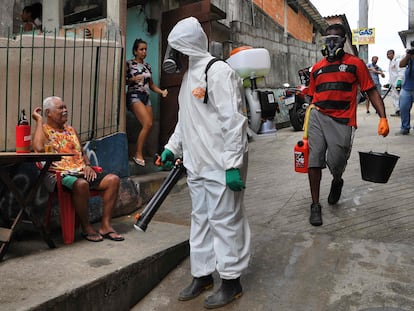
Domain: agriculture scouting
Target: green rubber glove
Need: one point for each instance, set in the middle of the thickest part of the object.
(398, 86)
(233, 180)
(167, 159)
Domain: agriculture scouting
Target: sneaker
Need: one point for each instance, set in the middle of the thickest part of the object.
(403, 132)
(336, 190)
(315, 218)
(396, 114)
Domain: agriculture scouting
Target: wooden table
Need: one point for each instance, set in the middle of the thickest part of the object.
(7, 161)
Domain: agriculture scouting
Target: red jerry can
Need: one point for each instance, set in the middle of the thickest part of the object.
(301, 153)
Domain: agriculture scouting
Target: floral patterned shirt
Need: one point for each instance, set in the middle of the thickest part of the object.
(65, 141)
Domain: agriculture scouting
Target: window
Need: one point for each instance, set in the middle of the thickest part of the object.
(78, 11)
(293, 5)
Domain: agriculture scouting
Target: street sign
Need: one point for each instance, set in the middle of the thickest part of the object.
(362, 36)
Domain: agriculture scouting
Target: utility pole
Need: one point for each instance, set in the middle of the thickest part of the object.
(363, 23)
(407, 36)
(410, 32)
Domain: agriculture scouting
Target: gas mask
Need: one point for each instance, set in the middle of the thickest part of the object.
(172, 62)
(333, 47)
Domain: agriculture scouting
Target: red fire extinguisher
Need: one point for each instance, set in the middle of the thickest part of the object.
(301, 150)
(23, 137)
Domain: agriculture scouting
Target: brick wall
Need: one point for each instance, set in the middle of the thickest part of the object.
(298, 25)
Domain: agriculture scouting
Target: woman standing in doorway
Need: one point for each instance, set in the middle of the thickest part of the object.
(139, 81)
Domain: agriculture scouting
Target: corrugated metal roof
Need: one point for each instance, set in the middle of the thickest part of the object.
(313, 14)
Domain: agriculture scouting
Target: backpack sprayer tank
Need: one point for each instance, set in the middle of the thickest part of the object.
(252, 65)
(250, 62)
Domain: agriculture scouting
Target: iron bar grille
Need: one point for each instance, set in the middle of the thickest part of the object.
(86, 73)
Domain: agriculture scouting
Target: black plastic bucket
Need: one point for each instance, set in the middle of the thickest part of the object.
(377, 167)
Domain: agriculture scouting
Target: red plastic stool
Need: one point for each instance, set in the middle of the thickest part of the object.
(68, 219)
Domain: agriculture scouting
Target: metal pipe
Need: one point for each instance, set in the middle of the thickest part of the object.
(253, 21)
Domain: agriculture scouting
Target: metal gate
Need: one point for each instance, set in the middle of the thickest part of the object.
(86, 73)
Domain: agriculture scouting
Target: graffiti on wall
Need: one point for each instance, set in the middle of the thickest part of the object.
(23, 176)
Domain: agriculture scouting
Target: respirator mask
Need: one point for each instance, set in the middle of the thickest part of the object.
(333, 47)
(172, 61)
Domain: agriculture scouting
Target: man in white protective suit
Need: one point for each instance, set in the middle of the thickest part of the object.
(396, 76)
(211, 137)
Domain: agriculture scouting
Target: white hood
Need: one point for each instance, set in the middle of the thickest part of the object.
(189, 38)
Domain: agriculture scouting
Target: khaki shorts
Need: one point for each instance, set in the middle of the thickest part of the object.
(330, 143)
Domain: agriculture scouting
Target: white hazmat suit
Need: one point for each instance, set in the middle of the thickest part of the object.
(211, 138)
(395, 73)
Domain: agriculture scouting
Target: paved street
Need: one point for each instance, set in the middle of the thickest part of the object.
(362, 258)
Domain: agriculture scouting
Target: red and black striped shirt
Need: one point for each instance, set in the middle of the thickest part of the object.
(334, 86)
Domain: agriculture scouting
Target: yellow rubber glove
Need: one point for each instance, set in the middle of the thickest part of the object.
(383, 128)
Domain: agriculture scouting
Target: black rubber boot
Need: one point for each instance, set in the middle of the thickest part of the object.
(197, 286)
(229, 290)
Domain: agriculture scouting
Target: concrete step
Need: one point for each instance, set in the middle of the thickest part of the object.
(93, 276)
(147, 185)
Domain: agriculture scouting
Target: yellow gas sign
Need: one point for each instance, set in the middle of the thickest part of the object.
(362, 36)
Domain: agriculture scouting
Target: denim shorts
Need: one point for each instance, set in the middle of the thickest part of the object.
(133, 97)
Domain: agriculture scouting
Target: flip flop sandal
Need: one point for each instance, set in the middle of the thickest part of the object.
(109, 237)
(139, 162)
(92, 237)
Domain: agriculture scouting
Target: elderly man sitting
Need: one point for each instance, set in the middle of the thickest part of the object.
(64, 139)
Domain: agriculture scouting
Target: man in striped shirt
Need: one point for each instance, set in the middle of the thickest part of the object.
(333, 88)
